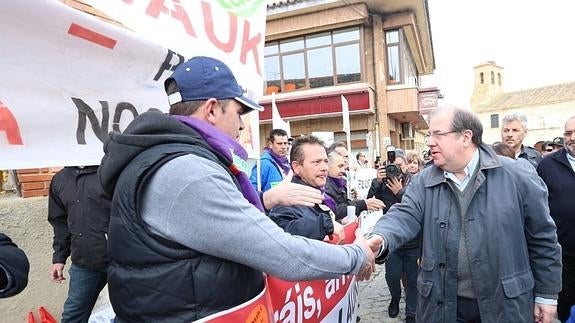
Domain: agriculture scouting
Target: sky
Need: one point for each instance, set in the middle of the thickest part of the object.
(532, 40)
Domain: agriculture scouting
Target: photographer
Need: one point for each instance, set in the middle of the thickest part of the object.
(389, 189)
(392, 179)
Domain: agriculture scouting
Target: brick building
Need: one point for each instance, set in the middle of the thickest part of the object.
(372, 52)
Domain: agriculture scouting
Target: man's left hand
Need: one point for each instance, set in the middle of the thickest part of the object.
(544, 313)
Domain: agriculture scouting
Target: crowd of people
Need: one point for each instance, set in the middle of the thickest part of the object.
(179, 227)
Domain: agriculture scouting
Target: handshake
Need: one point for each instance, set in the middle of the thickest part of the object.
(372, 245)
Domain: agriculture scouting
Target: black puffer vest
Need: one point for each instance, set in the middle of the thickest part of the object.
(152, 279)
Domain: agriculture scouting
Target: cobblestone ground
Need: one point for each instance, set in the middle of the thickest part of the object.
(374, 298)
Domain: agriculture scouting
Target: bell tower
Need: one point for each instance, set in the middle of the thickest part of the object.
(488, 83)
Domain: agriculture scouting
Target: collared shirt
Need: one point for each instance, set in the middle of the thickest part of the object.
(571, 160)
(469, 169)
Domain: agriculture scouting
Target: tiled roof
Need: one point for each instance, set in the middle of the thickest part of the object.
(537, 96)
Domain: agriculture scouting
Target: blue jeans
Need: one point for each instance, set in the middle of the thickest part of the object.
(85, 285)
(398, 262)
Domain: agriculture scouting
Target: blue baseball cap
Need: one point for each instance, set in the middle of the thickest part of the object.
(202, 78)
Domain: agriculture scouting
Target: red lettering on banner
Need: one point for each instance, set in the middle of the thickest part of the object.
(209, 26)
(91, 36)
(250, 45)
(157, 6)
(9, 125)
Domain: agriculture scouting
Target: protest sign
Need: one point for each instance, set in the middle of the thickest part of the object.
(70, 78)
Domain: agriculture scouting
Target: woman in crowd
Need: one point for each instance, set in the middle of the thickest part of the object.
(414, 162)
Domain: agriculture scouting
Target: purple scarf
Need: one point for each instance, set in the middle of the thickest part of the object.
(329, 201)
(225, 145)
(282, 161)
(341, 183)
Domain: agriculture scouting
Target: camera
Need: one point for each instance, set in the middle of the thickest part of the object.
(392, 170)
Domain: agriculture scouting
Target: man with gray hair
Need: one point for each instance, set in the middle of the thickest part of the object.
(489, 250)
(513, 133)
(336, 188)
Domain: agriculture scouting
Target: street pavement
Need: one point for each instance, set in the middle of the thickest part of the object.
(374, 298)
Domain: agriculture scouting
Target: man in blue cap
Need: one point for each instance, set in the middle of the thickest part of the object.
(188, 234)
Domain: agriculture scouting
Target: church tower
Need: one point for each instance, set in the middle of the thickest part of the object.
(488, 81)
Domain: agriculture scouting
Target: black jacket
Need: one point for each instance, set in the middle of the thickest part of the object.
(532, 155)
(14, 268)
(79, 212)
(310, 222)
(557, 173)
(339, 195)
(152, 279)
(384, 194)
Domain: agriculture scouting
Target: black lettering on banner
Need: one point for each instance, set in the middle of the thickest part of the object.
(120, 107)
(167, 65)
(84, 111)
(352, 300)
(351, 305)
(101, 128)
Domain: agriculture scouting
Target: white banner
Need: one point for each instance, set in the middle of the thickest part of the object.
(368, 219)
(69, 78)
(362, 178)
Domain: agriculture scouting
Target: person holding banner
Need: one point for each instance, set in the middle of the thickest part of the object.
(274, 164)
(309, 163)
(336, 188)
(489, 246)
(188, 236)
(361, 160)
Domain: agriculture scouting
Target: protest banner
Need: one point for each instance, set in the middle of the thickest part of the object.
(361, 182)
(319, 301)
(69, 78)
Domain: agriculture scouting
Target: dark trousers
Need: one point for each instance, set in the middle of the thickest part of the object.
(567, 294)
(85, 285)
(403, 261)
(467, 310)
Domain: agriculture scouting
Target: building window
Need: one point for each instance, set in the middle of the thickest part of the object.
(495, 121)
(482, 78)
(541, 122)
(492, 77)
(400, 66)
(312, 61)
(499, 79)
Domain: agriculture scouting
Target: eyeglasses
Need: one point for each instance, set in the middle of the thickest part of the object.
(568, 133)
(437, 134)
(548, 149)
